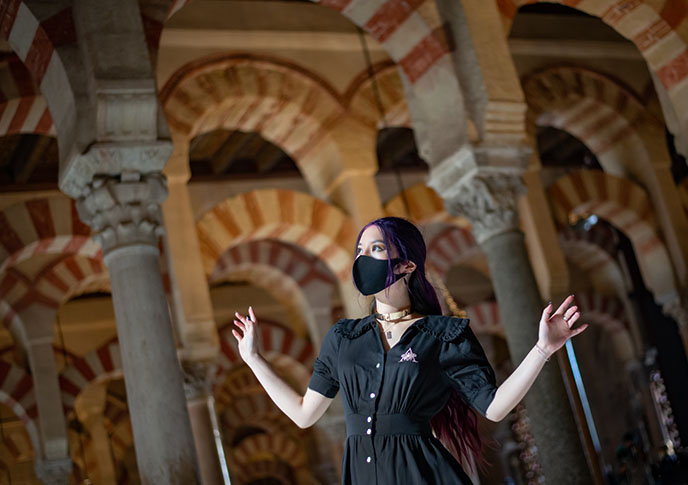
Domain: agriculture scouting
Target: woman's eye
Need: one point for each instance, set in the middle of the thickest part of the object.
(378, 248)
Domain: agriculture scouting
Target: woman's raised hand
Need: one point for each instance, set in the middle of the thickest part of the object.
(247, 337)
(556, 328)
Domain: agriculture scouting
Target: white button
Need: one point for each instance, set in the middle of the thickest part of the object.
(369, 459)
(372, 395)
(369, 419)
(377, 366)
(368, 431)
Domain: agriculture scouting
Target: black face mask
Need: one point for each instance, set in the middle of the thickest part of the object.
(370, 274)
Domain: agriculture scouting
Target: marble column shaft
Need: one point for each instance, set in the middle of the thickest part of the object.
(489, 199)
(198, 378)
(125, 214)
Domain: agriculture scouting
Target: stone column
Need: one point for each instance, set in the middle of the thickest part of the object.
(200, 403)
(488, 197)
(190, 295)
(193, 313)
(124, 212)
(52, 460)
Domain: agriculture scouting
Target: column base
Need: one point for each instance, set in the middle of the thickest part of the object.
(54, 472)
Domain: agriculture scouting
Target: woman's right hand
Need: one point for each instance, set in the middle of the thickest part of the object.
(247, 337)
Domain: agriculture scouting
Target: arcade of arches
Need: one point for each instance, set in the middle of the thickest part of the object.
(165, 163)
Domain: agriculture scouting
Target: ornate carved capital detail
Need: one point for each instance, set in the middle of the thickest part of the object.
(483, 184)
(53, 472)
(489, 201)
(110, 159)
(198, 378)
(124, 210)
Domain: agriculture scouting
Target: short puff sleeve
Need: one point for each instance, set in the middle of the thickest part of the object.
(468, 371)
(325, 379)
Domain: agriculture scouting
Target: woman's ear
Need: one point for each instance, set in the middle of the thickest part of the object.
(407, 267)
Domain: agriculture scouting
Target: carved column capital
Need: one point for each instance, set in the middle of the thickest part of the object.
(489, 201)
(483, 184)
(198, 378)
(124, 210)
(488, 198)
(81, 170)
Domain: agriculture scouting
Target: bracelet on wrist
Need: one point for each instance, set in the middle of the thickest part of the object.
(543, 353)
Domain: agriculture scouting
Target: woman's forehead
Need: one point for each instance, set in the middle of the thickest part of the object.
(371, 233)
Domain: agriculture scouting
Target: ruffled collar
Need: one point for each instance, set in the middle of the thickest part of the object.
(439, 326)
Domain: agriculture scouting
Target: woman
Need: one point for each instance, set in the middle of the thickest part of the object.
(405, 370)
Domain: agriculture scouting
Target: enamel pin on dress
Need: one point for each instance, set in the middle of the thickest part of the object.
(408, 356)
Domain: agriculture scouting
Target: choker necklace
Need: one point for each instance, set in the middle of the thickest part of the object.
(392, 317)
(388, 317)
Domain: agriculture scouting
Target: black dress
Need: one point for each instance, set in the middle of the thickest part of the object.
(390, 398)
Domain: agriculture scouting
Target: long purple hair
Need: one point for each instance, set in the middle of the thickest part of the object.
(456, 425)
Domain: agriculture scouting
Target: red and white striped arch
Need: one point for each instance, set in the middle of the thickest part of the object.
(594, 256)
(264, 470)
(602, 240)
(626, 206)
(275, 340)
(607, 118)
(605, 310)
(17, 393)
(287, 105)
(103, 363)
(362, 103)
(450, 247)
(239, 382)
(280, 445)
(281, 287)
(26, 115)
(39, 36)
(22, 107)
(276, 448)
(291, 217)
(43, 226)
(299, 281)
(254, 410)
(72, 276)
(658, 29)
(610, 314)
(413, 35)
(410, 31)
(58, 281)
(424, 207)
(304, 269)
(485, 319)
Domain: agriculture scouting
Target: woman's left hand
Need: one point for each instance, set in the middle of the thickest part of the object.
(556, 328)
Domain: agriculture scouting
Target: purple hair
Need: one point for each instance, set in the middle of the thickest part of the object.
(456, 425)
